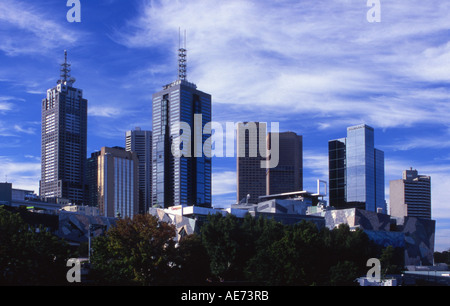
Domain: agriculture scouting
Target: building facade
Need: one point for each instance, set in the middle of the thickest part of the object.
(287, 176)
(91, 178)
(118, 177)
(356, 171)
(140, 142)
(250, 163)
(410, 196)
(64, 140)
(180, 113)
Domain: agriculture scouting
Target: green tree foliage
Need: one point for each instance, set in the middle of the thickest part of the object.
(192, 261)
(442, 257)
(28, 255)
(275, 254)
(390, 259)
(135, 251)
(251, 250)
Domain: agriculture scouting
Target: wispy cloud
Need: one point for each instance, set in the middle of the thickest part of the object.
(20, 129)
(104, 111)
(38, 30)
(300, 57)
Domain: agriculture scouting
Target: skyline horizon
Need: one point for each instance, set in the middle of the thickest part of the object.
(316, 68)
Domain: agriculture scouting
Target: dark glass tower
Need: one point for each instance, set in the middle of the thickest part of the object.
(185, 179)
(63, 141)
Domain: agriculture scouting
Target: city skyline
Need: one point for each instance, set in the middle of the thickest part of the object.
(316, 68)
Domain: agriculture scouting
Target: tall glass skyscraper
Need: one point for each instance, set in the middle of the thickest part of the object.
(185, 179)
(356, 171)
(64, 140)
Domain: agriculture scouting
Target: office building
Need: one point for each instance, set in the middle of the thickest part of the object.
(250, 163)
(118, 177)
(63, 140)
(287, 176)
(140, 142)
(410, 196)
(91, 178)
(356, 171)
(183, 178)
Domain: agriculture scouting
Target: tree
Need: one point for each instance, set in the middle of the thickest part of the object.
(391, 260)
(220, 236)
(30, 255)
(135, 251)
(442, 257)
(192, 261)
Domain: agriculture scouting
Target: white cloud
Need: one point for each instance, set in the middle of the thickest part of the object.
(104, 111)
(20, 129)
(223, 183)
(301, 57)
(23, 175)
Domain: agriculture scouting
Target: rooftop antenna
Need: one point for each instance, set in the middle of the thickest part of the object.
(65, 72)
(181, 56)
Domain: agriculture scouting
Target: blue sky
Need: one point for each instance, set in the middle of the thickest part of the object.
(314, 66)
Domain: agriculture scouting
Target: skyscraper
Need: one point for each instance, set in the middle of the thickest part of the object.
(287, 176)
(251, 172)
(356, 171)
(411, 195)
(63, 140)
(92, 179)
(140, 142)
(180, 179)
(117, 185)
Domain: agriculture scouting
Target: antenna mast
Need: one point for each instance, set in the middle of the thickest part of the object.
(65, 72)
(181, 57)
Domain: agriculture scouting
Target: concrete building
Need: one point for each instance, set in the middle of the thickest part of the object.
(287, 176)
(356, 171)
(64, 140)
(140, 142)
(411, 195)
(118, 176)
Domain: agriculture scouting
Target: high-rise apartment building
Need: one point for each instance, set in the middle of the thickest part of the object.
(117, 184)
(180, 112)
(250, 163)
(410, 196)
(356, 171)
(140, 142)
(63, 140)
(287, 176)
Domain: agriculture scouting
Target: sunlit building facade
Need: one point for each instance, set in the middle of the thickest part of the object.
(118, 177)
